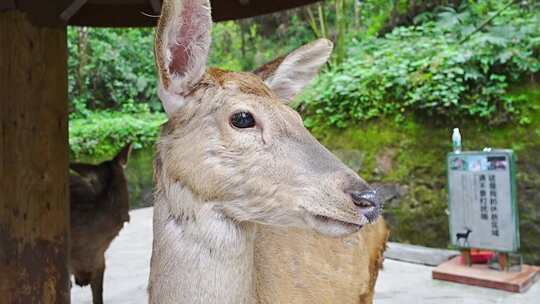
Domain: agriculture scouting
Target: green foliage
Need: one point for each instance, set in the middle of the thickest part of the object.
(432, 71)
(227, 47)
(140, 173)
(239, 47)
(247, 44)
(334, 21)
(110, 68)
(101, 134)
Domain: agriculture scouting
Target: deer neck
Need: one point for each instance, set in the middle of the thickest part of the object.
(199, 255)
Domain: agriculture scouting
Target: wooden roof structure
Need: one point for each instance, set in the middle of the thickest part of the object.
(34, 147)
(134, 13)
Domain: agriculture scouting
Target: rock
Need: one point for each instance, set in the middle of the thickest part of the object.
(385, 161)
(418, 254)
(391, 193)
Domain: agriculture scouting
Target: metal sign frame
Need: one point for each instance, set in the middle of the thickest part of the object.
(511, 171)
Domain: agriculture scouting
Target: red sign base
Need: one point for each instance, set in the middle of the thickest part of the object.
(480, 275)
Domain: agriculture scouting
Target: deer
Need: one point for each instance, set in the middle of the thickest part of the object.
(99, 202)
(248, 206)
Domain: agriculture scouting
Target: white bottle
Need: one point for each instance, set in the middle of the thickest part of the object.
(456, 140)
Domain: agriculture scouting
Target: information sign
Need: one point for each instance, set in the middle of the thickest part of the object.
(482, 200)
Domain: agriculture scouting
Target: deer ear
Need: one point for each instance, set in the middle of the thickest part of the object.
(123, 156)
(181, 49)
(289, 75)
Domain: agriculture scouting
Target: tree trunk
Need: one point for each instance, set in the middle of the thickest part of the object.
(83, 57)
(34, 205)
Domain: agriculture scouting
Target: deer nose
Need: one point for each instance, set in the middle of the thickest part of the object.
(369, 203)
(366, 199)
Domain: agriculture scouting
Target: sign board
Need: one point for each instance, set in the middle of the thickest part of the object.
(482, 200)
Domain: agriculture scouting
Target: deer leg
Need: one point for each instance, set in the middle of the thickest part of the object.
(97, 284)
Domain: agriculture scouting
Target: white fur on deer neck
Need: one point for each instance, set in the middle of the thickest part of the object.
(199, 256)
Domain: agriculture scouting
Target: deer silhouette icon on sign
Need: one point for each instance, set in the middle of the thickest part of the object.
(463, 236)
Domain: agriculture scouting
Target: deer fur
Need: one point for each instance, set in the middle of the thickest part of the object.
(99, 208)
(263, 214)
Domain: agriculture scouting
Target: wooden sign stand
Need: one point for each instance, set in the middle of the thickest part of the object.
(504, 263)
(466, 256)
(461, 269)
(503, 259)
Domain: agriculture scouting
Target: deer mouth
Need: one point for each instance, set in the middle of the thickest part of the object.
(319, 219)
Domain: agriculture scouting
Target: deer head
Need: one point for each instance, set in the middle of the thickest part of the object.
(235, 144)
(102, 184)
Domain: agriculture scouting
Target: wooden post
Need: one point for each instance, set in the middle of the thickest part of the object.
(466, 255)
(34, 206)
(504, 262)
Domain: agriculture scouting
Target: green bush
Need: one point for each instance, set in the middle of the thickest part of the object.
(108, 68)
(101, 134)
(438, 69)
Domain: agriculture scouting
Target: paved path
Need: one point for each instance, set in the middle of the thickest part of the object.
(402, 283)
(405, 283)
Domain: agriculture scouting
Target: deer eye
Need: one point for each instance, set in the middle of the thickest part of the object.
(242, 120)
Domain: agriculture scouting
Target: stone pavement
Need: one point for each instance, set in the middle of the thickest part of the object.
(406, 283)
(399, 282)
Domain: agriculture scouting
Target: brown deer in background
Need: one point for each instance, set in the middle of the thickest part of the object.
(99, 209)
(249, 207)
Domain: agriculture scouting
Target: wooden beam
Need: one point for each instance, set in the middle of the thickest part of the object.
(7, 4)
(34, 206)
(135, 13)
(139, 14)
(44, 13)
(156, 6)
(72, 9)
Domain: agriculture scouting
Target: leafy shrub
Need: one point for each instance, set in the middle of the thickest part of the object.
(438, 69)
(109, 68)
(101, 134)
